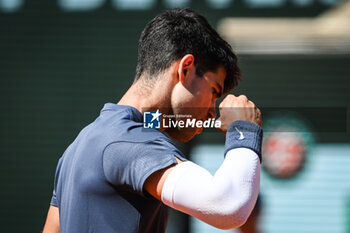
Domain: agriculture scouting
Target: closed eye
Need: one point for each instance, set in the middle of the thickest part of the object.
(215, 92)
(218, 90)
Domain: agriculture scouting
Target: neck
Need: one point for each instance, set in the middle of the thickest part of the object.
(145, 96)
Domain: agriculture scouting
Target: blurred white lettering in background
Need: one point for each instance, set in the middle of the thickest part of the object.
(80, 5)
(10, 6)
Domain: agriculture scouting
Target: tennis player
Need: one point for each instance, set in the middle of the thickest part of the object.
(117, 177)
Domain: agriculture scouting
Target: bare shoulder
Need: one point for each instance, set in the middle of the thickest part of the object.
(52, 224)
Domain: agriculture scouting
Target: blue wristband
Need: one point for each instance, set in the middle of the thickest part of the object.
(244, 134)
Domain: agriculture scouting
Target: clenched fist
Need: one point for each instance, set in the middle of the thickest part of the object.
(234, 108)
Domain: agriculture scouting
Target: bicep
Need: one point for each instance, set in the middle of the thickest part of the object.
(52, 224)
(155, 182)
(132, 164)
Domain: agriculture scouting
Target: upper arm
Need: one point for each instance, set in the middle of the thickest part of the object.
(134, 163)
(52, 224)
(155, 182)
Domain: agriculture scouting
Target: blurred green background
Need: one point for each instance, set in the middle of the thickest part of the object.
(60, 61)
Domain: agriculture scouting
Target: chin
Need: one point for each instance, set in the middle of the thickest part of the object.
(181, 135)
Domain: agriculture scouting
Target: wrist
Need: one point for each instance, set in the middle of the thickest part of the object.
(244, 134)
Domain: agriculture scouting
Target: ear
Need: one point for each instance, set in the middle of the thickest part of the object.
(186, 62)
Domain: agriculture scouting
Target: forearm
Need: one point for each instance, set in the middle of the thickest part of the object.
(224, 200)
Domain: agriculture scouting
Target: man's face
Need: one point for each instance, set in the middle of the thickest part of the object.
(196, 96)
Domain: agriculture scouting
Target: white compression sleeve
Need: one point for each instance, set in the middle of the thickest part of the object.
(224, 200)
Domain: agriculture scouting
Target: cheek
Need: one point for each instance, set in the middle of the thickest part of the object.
(203, 94)
(181, 97)
(197, 96)
(204, 99)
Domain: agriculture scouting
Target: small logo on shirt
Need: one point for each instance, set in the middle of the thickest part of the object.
(151, 120)
(241, 136)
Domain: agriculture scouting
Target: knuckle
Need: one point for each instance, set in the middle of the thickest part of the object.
(230, 96)
(243, 97)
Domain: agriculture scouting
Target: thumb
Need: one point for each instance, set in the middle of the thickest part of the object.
(222, 129)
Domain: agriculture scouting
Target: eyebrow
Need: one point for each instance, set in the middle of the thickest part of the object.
(220, 89)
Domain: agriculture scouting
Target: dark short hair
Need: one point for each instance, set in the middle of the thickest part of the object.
(177, 32)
